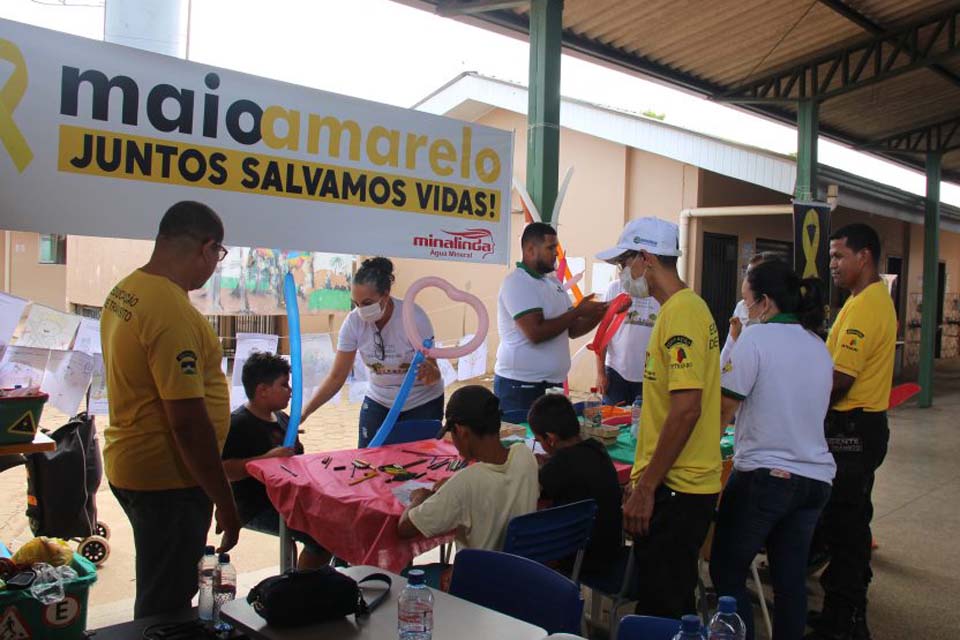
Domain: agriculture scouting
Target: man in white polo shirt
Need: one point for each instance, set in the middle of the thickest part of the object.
(536, 321)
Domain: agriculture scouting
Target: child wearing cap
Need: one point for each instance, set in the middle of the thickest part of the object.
(479, 501)
(576, 470)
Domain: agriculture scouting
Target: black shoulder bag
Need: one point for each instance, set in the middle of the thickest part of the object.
(309, 596)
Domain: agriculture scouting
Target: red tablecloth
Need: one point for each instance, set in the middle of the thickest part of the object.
(357, 523)
(623, 471)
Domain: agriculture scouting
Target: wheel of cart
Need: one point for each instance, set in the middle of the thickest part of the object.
(96, 549)
(103, 529)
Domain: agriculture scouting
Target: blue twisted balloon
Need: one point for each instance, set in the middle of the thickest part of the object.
(408, 381)
(296, 362)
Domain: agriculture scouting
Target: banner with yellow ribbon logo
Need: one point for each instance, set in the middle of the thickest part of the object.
(99, 139)
(811, 240)
(11, 94)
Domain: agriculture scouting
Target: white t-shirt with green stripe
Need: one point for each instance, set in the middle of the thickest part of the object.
(524, 292)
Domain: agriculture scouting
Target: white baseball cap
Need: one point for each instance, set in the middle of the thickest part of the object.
(653, 235)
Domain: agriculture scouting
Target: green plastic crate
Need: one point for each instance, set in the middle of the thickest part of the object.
(24, 617)
(20, 418)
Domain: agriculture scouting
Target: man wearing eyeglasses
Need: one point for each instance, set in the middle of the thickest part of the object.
(169, 410)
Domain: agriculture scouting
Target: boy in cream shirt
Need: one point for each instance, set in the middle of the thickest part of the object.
(478, 501)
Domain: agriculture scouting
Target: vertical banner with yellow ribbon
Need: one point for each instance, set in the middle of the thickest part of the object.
(811, 240)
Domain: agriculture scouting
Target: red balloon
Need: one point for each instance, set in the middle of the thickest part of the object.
(611, 322)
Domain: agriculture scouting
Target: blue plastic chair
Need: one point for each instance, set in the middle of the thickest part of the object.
(553, 534)
(518, 587)
(619, 583)
(412, 430)
(516, 416)
(647, 628)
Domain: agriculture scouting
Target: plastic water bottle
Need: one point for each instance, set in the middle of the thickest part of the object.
(205, 571)
(635, 412)
(726, 624)
(224, 589)
(415, 609)
(592, 414)
(689, 628)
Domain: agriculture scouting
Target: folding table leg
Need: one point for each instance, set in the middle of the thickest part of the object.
(288, 549)
(761, 596)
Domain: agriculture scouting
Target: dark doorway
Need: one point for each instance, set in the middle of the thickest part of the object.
(941, 289)
(721, 282)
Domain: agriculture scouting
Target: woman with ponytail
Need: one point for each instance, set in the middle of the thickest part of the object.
(374, 329)
(779, 376)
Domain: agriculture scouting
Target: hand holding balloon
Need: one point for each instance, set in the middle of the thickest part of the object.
(614, 317)
(397, 408)
(428, 350)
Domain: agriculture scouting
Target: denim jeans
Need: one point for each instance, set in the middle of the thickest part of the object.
(516, 395)
(620, 390)
(372, 415)
(757, 509)
(169, 534)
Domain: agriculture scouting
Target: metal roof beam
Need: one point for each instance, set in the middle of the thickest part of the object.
(451, 8)
(937, 137)
(882, 57)
(868, 25)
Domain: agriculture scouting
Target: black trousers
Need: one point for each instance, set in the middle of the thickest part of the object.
(169, 534)
(667, 556)
(858, 440)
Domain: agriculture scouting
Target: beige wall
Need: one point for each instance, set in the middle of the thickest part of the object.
(950, 255)
(41, 283)
(97, 264)
(610, 185)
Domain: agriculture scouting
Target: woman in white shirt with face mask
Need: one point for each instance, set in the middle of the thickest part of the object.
(779, 376)
(374, 329)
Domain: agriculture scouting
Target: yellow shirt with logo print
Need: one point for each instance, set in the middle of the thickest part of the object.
(862, 342)
(683, 353)
(156, 347)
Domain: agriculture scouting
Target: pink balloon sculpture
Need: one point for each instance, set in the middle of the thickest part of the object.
(410, 325)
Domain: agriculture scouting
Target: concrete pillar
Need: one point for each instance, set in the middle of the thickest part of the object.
(931, 257)
(160, 26)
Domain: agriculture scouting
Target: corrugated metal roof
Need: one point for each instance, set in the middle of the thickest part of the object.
(470, 95)
(715, 47)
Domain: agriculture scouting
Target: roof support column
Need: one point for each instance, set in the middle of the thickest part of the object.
(931, 256)
(808, 129)
(543, 112)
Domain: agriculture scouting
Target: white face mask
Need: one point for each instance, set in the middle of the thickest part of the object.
(751, 321)
(635, 287)
(370, 312)
(742, 312)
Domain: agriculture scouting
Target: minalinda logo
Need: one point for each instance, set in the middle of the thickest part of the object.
(458, 244)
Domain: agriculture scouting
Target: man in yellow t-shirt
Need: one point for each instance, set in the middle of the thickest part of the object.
(862, 342)
(169, 410)
(676, 475)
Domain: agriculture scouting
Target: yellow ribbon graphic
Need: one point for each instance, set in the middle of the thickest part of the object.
(10, 96)
(810, 230)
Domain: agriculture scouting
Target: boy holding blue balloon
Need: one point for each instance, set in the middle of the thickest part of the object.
(257, 430)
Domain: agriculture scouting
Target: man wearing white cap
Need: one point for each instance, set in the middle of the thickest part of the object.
(619, 369)
(676, 472)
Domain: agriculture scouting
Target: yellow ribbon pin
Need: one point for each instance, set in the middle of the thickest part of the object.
(810, 230)
(10, 96)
